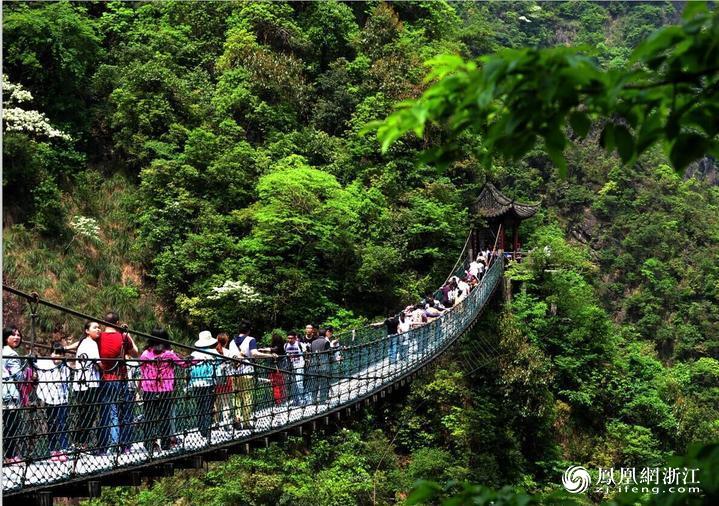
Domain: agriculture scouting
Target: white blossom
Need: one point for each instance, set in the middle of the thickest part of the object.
(17, 119)
(85, 227)
(14, 93)
(245, 293)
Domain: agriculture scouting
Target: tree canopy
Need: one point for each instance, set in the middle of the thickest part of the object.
(511, 99)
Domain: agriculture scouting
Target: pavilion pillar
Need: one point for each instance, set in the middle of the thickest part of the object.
(472, 247)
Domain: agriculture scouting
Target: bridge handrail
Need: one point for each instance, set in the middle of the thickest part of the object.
(262, 398)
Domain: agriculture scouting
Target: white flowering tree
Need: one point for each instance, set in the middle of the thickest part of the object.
(32, 149)
(84, 227)
(236, 290)
(16, 117)
(223, 307)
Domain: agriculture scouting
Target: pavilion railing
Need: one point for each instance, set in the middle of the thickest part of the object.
(59, 426)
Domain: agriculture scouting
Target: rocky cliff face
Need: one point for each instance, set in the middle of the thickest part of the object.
(704, 170)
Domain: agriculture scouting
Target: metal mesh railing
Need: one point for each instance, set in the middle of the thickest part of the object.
(62, 422)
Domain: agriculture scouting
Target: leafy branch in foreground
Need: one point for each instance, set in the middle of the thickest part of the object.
(513, 98)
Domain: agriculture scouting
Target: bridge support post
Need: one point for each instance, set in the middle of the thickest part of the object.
(506, 289)
(136, 478)
(94, 489)
(44, 498)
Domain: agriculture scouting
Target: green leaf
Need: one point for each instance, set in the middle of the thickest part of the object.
(625, 142)
(671, 129)
(656, 43)
(580, 123)
(423, 491)
(692, 9)
(648, 134)
(687, 148)
(371, 126)
(606, 138)
(703, 118)
(559, 161)
(442, 65)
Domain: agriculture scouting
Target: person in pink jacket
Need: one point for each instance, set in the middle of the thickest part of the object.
(157, 384)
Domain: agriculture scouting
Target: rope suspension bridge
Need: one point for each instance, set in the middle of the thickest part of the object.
(62, 436)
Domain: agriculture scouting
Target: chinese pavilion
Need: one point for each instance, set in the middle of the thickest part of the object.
(502, 217)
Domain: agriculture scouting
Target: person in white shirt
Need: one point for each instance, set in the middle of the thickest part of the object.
(86, 383)
(244, 346)
(461, 291)
(404, 323)
(53, 376)
(12, 369)
(295, 354)
(402, 328)
(474, 268)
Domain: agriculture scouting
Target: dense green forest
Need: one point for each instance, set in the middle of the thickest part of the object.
(200, 163)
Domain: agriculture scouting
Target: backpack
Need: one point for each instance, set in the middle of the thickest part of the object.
(10, 392)
(203, 371)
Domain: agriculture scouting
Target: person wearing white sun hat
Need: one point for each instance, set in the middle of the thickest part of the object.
(202, 380)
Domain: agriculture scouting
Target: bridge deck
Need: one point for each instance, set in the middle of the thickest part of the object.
(364, 370)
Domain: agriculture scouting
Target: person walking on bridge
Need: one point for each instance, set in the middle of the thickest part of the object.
(244, 347)
(117, 400)
(309, 336)
(53, 381)
(319, 368)
(277, 377)
(295, 354)
(86, 385)
(392, 324)
(157, 384)
(12, 371)
(223, 388)
(203, 375)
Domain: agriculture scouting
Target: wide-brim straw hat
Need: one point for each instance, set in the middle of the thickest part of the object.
(206, 340)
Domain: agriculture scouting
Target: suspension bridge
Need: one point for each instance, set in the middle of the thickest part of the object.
(331, 384)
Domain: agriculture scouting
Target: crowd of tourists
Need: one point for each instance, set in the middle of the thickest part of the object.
(111, 394)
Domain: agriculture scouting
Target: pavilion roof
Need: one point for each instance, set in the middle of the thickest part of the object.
(492, 203)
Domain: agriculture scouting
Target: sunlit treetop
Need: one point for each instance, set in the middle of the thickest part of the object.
(516, 97)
